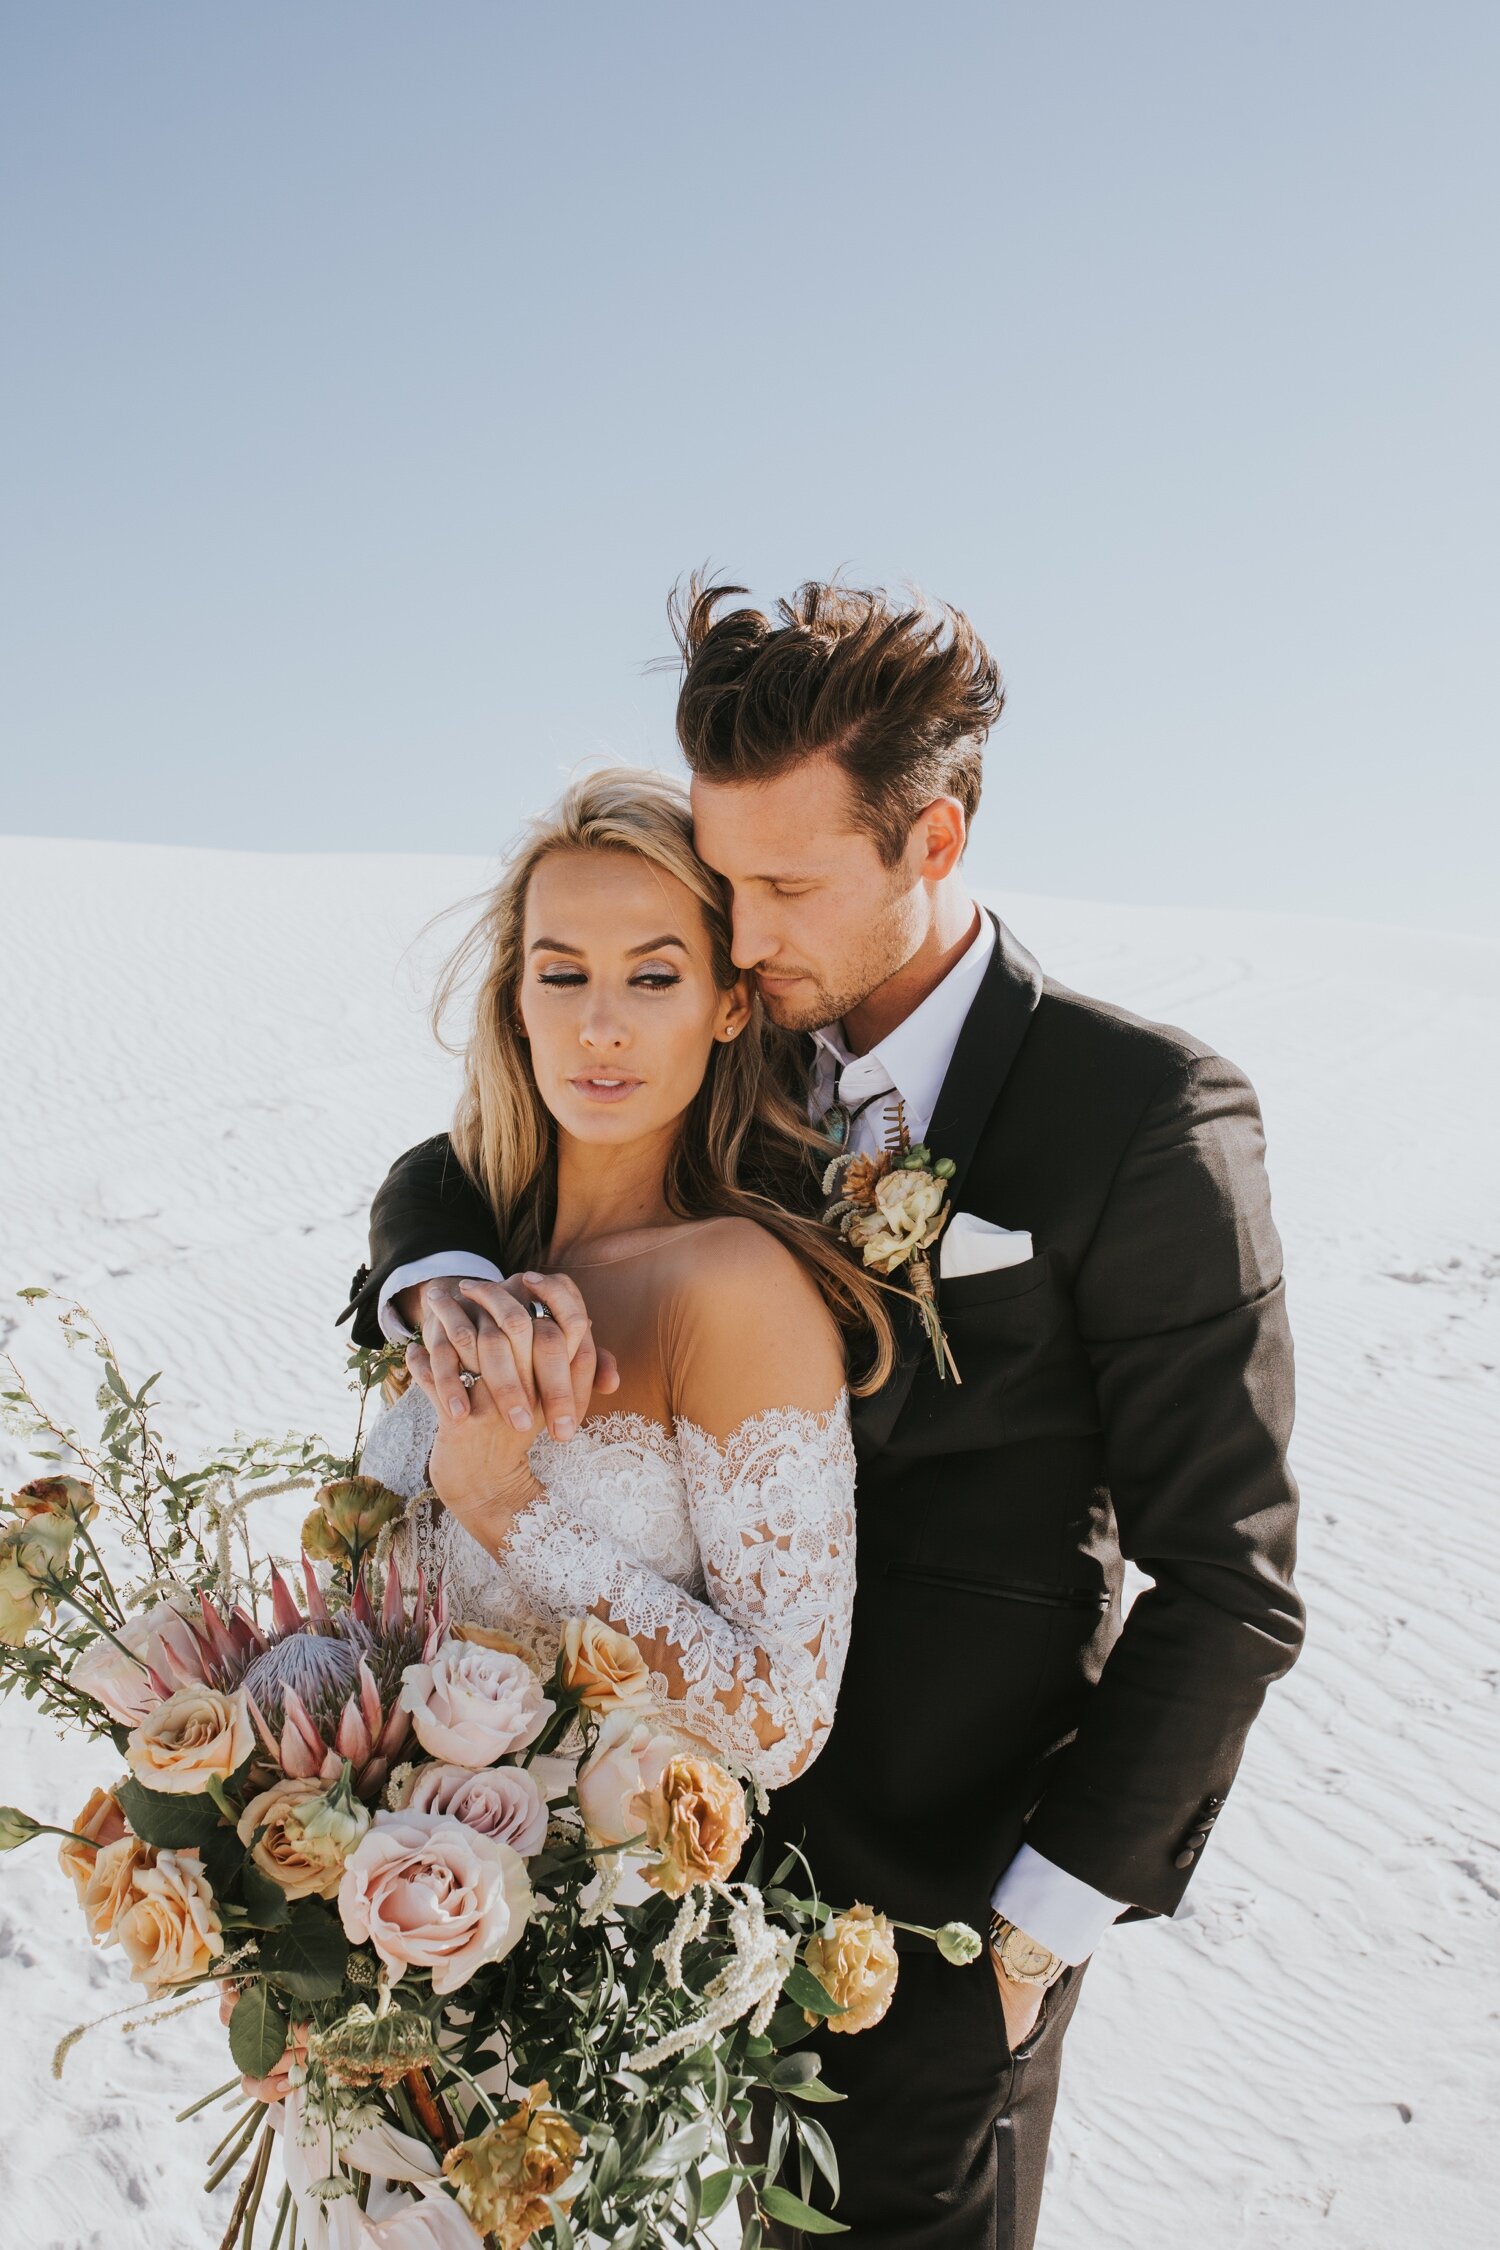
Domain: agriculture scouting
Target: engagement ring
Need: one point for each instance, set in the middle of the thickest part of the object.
(467, 1378)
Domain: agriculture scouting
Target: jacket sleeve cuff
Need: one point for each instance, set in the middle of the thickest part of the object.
(456, 1265)
(1052, 1906)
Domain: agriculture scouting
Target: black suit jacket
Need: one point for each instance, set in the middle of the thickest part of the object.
(1127, 1393)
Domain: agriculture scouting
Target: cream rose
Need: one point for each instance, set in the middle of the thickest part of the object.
(604, 1668)
(171, 1931)
(430, 1893)
(101, 1822)
(301, 1848)
(22, 1601)
(629, 1757)
(163, 1639)
(198, 1735)
(502, 1801)
(471, 1705)
(490, 1636)
(695, 1824)
(854, 1960)
(906, 1204)
(110, 1887)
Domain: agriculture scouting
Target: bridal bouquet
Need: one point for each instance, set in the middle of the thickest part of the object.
(390, 1850)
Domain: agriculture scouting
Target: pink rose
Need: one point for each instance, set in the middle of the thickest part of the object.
(501, 1801)
(471, 1705)
(629, 1757)
(157, 1636)
(430, 1893)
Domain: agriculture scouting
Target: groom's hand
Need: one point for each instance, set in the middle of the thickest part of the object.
(1020, 2004)
(485, 1327)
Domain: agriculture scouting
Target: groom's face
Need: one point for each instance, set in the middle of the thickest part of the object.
(818, 916)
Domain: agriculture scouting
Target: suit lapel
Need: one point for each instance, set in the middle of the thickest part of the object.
(988, 1044)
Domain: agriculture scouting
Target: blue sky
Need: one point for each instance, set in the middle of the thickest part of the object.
(373, 370)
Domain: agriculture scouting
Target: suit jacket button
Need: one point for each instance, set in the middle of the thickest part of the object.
(1185, 1858)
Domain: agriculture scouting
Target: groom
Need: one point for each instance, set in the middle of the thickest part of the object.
(1010, 1749)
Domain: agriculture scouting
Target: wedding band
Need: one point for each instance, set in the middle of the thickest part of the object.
(467, 1378)
(538, 1310)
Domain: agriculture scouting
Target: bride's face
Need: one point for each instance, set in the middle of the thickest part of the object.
(617, 997)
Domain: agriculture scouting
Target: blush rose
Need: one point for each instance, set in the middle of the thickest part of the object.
(472, 1705)
(427, 1892)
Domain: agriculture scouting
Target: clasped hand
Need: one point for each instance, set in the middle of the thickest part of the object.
(529, 1374)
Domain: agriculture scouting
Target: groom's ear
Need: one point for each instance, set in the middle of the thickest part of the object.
(939, 834)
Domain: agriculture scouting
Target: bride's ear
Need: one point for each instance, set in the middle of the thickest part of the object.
(736, 1009)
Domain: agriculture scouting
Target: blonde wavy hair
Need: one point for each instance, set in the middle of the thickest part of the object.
(745, 1150)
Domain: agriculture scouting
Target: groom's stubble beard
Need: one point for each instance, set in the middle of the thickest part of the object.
(879, 945)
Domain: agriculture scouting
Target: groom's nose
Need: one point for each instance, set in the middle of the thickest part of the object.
(750, 941)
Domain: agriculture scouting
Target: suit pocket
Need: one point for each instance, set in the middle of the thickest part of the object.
(995, 1287)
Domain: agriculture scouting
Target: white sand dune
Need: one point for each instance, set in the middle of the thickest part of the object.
(207, 1061)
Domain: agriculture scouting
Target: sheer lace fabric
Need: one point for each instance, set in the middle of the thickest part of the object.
(730, 1562)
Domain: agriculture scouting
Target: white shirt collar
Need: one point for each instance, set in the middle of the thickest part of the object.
(914, 1058)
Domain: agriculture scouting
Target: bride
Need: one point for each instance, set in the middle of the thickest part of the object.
(625, 1115)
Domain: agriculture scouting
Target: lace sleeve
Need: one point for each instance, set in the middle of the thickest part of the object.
(753, 1670)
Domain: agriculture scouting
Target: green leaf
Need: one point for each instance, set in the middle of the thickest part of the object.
(787, 2026)
(815, 2090)
(780, 2203)
(803, 1987)
(116, 1382)
(607, 2170)
(792, 2070)
(717, 2189)
(814, 2138)
(678, 2150)
(266, 1903)
(307, 1955)
(171, 1822)
(257, 2031)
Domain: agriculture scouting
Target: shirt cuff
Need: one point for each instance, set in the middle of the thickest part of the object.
(454, 1265)
(1052, 1906)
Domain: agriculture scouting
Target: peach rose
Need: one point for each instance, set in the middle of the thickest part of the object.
(171, 1931)
(102, 1822)
(603, 1666)
(854, 1960)
(429, 1893)
(301, 1847)
(505, 2177)
(198, 1735)
(155, 1636)
(907, 1204)
(503, 1801)
(56, 1496)
(695, 1823)
(628, 1759)
(110, 1887)
(472, 1705)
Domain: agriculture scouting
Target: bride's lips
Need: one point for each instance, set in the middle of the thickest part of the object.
(607, 1087)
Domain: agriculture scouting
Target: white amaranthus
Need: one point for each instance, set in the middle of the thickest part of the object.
(748, 1985)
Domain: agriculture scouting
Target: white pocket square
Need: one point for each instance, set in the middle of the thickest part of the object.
(971, 1245)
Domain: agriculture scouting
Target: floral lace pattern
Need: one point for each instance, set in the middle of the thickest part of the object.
(730, 1562)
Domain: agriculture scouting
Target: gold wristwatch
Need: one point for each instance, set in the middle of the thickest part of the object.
(1020, 1958)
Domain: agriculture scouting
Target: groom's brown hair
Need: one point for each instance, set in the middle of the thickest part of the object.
(900, 695)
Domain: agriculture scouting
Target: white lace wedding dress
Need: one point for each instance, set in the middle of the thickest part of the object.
(730, 1562)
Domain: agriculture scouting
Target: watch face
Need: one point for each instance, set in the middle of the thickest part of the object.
(1025, 1956)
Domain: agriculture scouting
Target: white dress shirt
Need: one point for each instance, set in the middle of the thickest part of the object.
(910, 1063)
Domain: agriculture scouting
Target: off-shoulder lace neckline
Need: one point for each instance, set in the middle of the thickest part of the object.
(616, 1428)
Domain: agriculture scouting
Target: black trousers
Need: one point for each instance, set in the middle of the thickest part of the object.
(942, 2139)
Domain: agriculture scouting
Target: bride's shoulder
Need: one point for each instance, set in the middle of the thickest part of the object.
(714, 1253)
(748, 1325)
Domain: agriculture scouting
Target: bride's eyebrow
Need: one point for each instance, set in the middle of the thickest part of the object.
(556, 945)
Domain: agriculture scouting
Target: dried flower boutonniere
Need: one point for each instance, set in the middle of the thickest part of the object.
(891, 1208)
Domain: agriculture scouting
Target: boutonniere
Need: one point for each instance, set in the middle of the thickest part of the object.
(891, 1208)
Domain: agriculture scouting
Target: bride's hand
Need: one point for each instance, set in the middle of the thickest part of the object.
(478, 1467)
(486, 1328)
